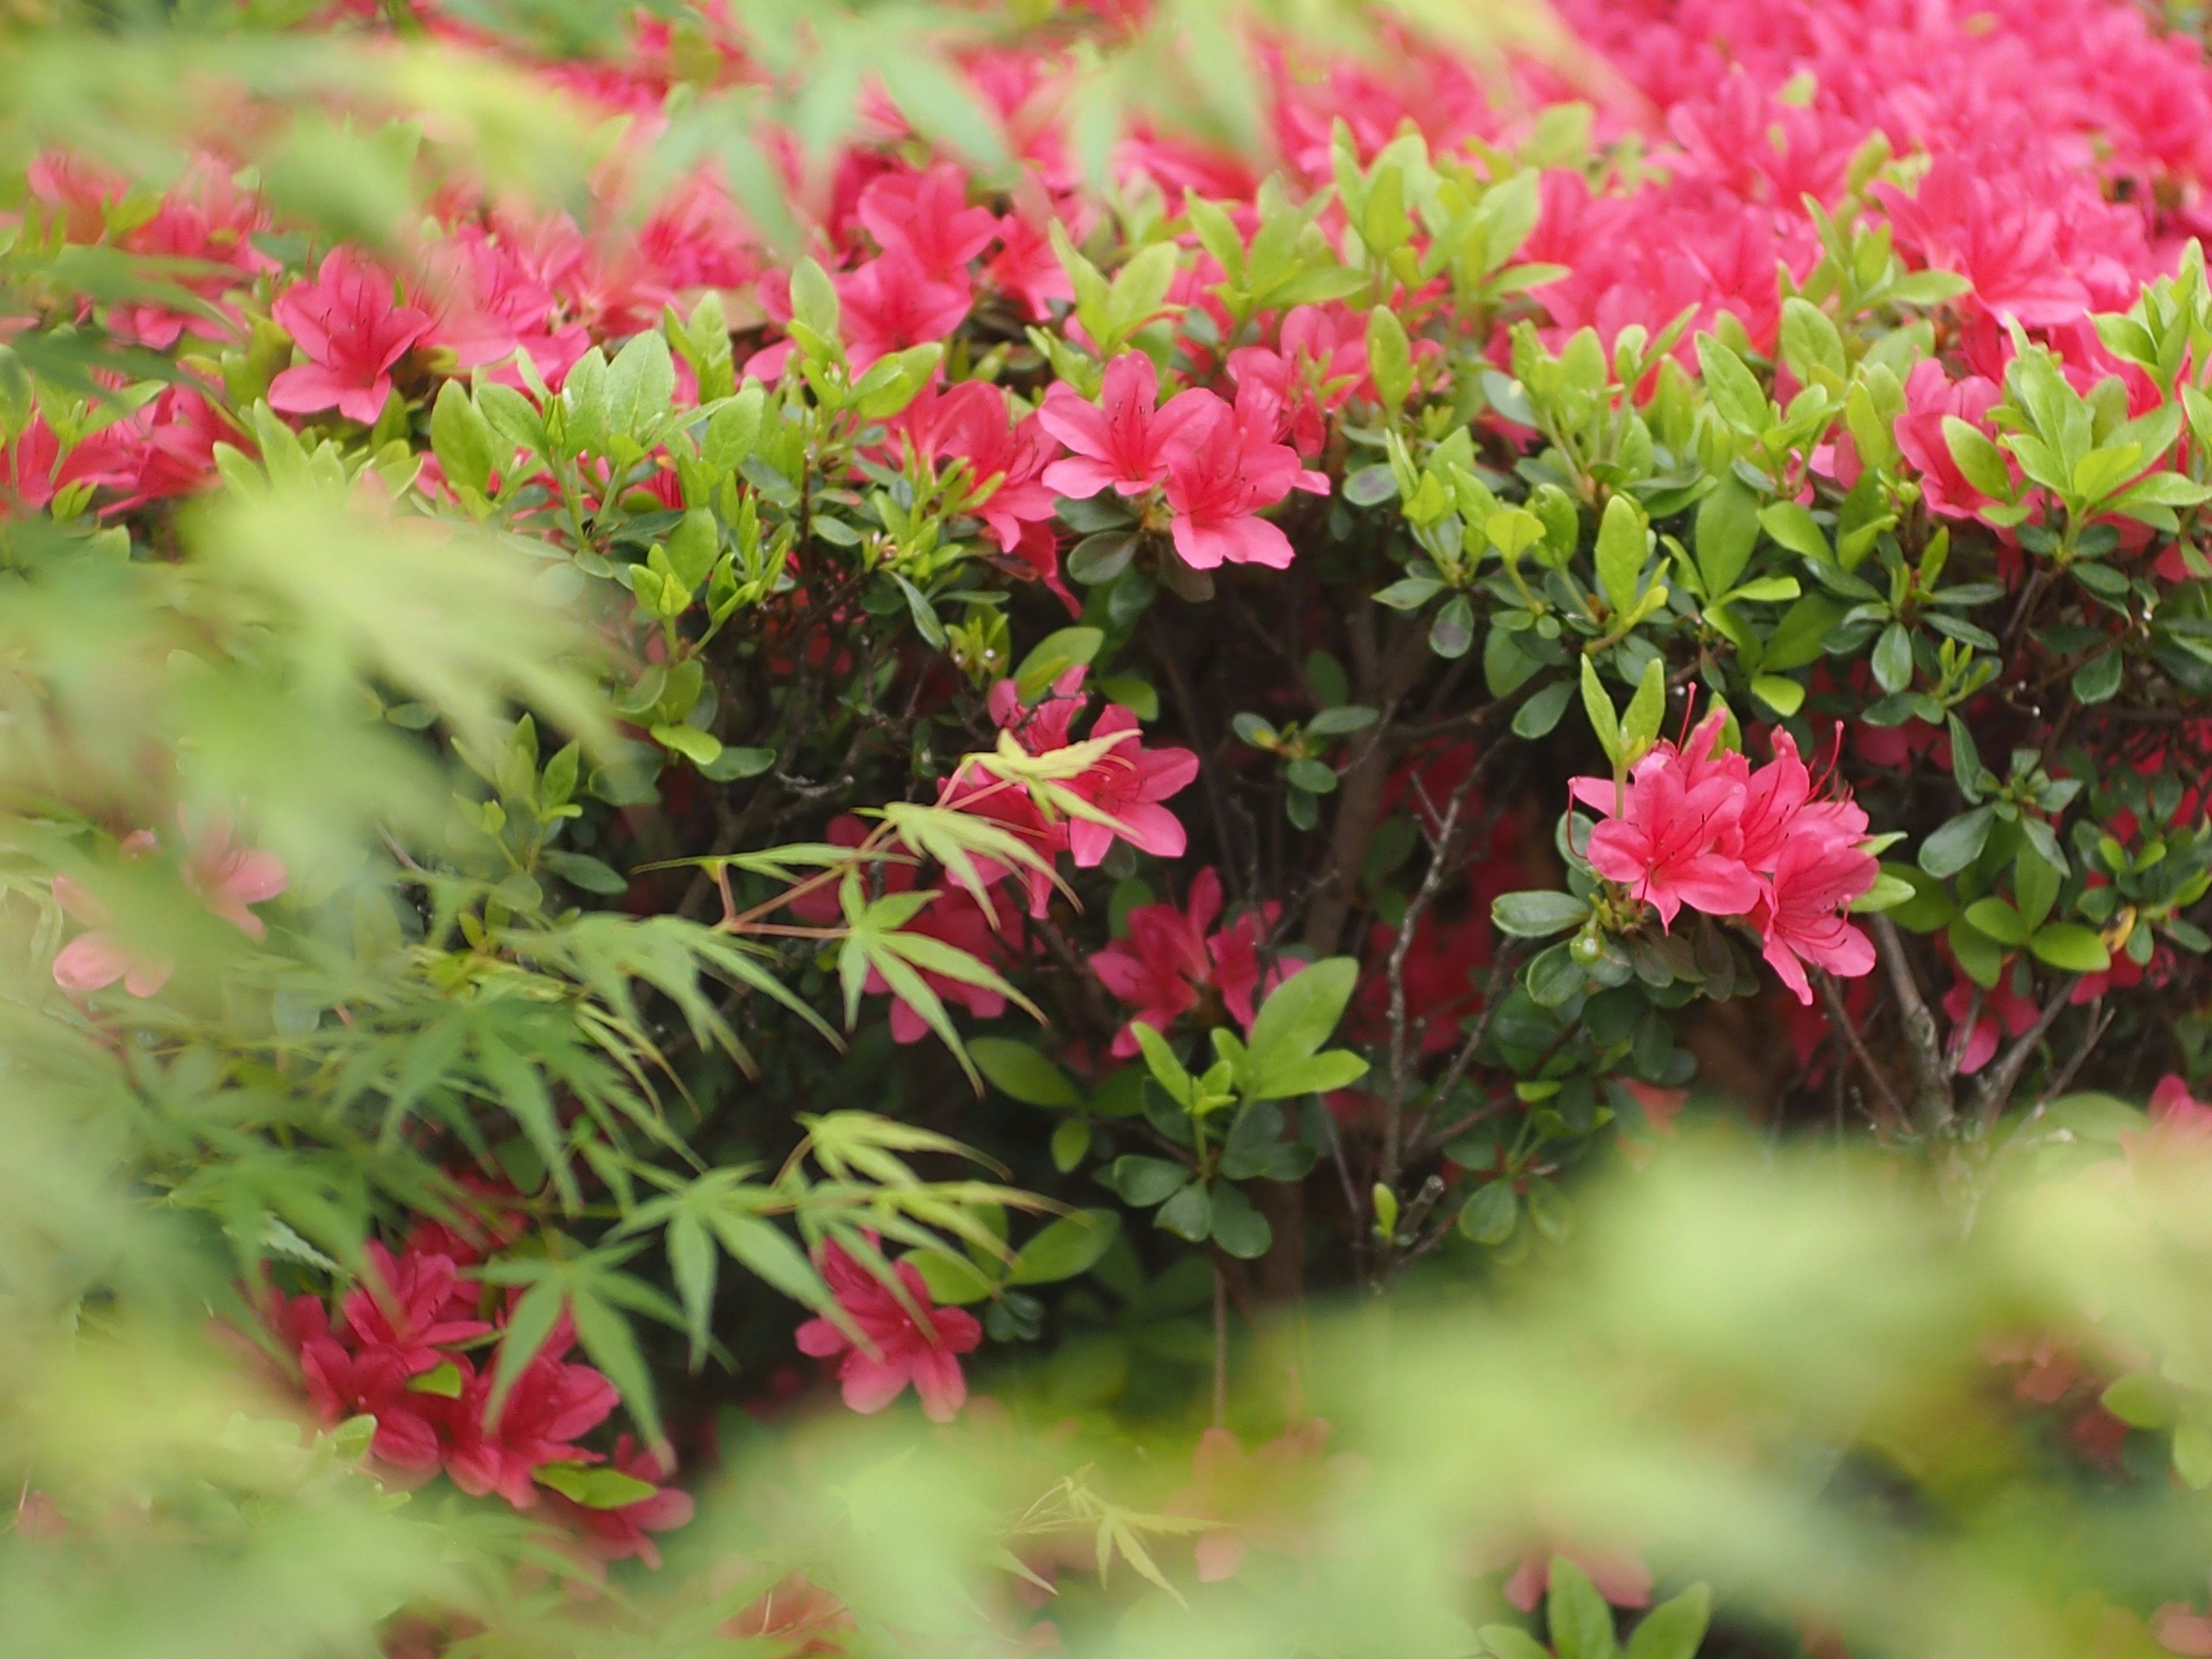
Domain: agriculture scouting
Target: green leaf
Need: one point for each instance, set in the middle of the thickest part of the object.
(2141, 1401)
(528, 1325)
(1620, 553)
(1810, 340)
(1019, 1071)
(1067, 1247)
(1071, 1144)
(1639, 728)
(1390, 358)
(813, 300)
(1188, 1214)
(1673, 1629)
(2071, 947)
(1793, 526)
(610, 1345)
(2098, 680)
(1453, 631)
(1490, 1214)
(1297, 1019)
(2192, 1454)
(640, 387)
(598, 1488)
(1784, 697)
(954, 1281)
(1537, 913)
(701, 748)
(1145, 1182)
(1536, 717)
(1957, 844)
(1597, 703)
(462, 439)
(1893, 659)
(1580, 1621)
(1998, 920)
(1511, 1642)
(1980, 462)
(1052, 656)
(1735, 392)
(1238, 1229)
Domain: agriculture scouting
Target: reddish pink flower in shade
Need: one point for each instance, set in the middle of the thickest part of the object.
(552, 1402)
(97, 957)
(973, 422)
(927, 216)
(33, 468)
(1929, 395)
(1123, 441)
(2180, 1628)
(342, 1383)
(906, 1350)
(2004, 1012)
(1800, 915)
(1319, 360)
(1170, 961)
(403, 1305)
(891, 303)
(349, 325)
(1127, 785)
(2179, 1124)
(209, 223)
(1662, 844)
(1227, 468)
(225, 878)
(1026, 268)
(617, 1534)
(177, 456)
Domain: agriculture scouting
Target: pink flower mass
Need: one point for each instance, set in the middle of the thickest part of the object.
(906, 1342)
(1699, 826)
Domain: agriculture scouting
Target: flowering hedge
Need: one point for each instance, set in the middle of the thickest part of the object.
(1000, 712)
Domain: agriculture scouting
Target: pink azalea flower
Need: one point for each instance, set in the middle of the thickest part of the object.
(1662, 844)
(351, 327)
(1170, 961)
(1127, 785)
(891, 303)
(2179, 1124)
(1227, 469)
(403, 1305)
(1931, 395)
(972, 421)
(1123, 441)
(927, 216)
(1318, 361)
(1799, 918)
(906, 1350)
(552, 1403)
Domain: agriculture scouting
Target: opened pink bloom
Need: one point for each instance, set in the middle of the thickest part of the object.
(923, 1352)
(350, 326)
(1232, 468)
(226, 878)
(1123, 441)
(1170, 962)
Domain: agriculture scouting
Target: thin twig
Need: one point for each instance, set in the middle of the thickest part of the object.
(1840, 1017)
(1998, 1085)
(1932, 1106)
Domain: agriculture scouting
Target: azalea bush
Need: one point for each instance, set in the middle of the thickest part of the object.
(1091, 724)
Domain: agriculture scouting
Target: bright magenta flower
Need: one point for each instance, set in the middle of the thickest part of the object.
(551, 1404)
(1664, 843)
(1800, 915)
(922, 1353)
(1171, 961)
(404, 1305)
(1228, 469)
(1128, 785)
(1123, 441)
(927, 216)
(891, 302)
(351, 327)
(973, 422)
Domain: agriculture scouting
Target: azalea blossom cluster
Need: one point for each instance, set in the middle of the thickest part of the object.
(404, 1349)
(1698, 825)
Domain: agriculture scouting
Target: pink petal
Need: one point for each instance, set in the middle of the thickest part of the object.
(91, 962)
(871, 1384)
(820, 1339)
(1219, 1555)
(937, 1380)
